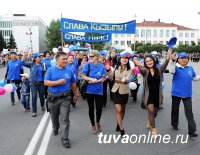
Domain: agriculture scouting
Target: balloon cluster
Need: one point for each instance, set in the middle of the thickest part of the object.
(6, 88)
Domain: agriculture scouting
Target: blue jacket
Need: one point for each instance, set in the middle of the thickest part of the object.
(25, 87)
(36, 71)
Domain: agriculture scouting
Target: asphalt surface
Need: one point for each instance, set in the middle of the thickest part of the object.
(18, 127)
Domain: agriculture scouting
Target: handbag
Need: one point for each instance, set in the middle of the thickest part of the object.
(83, 84)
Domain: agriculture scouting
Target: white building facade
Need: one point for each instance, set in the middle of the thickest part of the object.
(29, 32)
(155, 32)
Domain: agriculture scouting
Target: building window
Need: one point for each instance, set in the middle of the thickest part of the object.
(180, 34)
(192, 35)
(122, 35)
(137, 33)
(116, 35)
(186, 42)
(148, 33)
(173, 33)
(116, 42)
(180, 42)
(161, 42)
(148, 42)
(128, 35)
(128, 43)
(154, 33)
(143, 42)
(122, 43)
(143, 33)
(167, 33)
(161, 33)
(187, 35)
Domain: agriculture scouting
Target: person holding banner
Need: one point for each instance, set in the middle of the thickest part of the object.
(120, 77)
(152, 91)
(94, 91)
(112, 61)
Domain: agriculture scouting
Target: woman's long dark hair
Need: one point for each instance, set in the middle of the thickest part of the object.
(119, 64)
(154, 61)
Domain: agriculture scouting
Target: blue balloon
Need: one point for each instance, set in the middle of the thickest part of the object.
(2, 83)
(14, 87)
(163, 85)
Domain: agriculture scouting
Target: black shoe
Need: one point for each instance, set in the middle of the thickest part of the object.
(117, 128)
(66, 144)
(175, 127)
(42, 108)
(55, 133)
(122, 132)
(193, 134)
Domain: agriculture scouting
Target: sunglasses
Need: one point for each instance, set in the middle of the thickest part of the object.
(183, 58)
(91, 56)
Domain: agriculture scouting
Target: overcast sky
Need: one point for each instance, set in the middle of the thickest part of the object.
(182, 12)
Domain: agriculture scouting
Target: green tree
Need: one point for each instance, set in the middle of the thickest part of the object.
(97, 46)
(140, 49)
(11, 43)
(2, 42)
(53, 34)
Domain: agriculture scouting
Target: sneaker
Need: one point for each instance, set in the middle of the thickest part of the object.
(175, 127)
(13, 104)
(34, 114)
(28, 110)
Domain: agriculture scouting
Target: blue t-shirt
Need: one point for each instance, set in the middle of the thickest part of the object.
(96, 71)
(54, 74)
(14, 68)
(47, 62)
(182, 81)
(74, 67)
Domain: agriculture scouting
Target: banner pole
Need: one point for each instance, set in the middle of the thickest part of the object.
(61, 33)
(135, 35)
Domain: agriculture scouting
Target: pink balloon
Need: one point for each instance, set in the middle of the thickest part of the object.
(2, 91)
(8, 88)
(136, 70)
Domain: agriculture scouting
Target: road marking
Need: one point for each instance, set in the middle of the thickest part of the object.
(45, 141)
(31, 147)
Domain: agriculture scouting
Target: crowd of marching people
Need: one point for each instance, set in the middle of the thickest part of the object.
(58, 79)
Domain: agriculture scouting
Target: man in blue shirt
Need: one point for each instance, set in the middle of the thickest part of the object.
(183, 75)
(14, 69)
(60, 80)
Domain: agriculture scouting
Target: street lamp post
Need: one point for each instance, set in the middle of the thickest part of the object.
(31, 40)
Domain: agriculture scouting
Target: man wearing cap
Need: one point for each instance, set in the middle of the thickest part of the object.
(14, 69)
(183, 74)
(60, 80)
(37, 71)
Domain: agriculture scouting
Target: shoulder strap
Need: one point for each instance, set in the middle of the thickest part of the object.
(88, 69)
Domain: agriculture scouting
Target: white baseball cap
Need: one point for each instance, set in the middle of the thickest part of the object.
(25, 74)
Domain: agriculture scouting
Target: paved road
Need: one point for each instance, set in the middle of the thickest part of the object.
(17, 128)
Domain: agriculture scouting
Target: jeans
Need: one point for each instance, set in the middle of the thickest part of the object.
(187, 102)
(37, 87)
(12, 95)
(26, 101)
